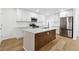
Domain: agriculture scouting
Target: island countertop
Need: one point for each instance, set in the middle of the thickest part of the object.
(38, 30)
(36, 38)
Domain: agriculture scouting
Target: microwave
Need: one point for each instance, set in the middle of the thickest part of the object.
(33, 19)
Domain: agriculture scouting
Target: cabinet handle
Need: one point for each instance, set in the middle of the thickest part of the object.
(48, 33)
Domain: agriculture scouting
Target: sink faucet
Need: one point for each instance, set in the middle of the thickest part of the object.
(48, 24)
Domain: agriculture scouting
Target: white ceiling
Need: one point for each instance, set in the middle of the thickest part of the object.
(46, 11)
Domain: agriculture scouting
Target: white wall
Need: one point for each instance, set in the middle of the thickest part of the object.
(8, 22)
(66, 13)
(54, 21)
(76, 23)
(0, 23)
(9, 17)
(0, 16)
(75, 13)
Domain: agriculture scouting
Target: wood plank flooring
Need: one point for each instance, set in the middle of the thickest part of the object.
(62, 44)
(59, 44)
(12, 44)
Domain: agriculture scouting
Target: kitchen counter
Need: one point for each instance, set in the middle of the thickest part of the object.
(35, 38)
(37, 30)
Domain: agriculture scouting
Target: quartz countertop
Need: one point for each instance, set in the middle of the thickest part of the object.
(37, 30)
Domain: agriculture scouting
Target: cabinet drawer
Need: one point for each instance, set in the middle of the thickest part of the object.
(46, 34)
(38, 36)
(46, 37)
(52, 35)
(38, 41)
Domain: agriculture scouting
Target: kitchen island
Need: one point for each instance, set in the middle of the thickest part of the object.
(36, 38)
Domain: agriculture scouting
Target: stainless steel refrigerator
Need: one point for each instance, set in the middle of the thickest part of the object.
(66, 26)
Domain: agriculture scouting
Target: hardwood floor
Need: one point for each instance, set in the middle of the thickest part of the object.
(59, 44)
(12, 45)
(62, 44)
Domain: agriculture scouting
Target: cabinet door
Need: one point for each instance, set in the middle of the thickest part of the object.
(52, 35)
(38, 41)
(46, 37)
(41, 39)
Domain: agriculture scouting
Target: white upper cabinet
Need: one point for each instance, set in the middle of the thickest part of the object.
(22, 15)
(19, 15)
